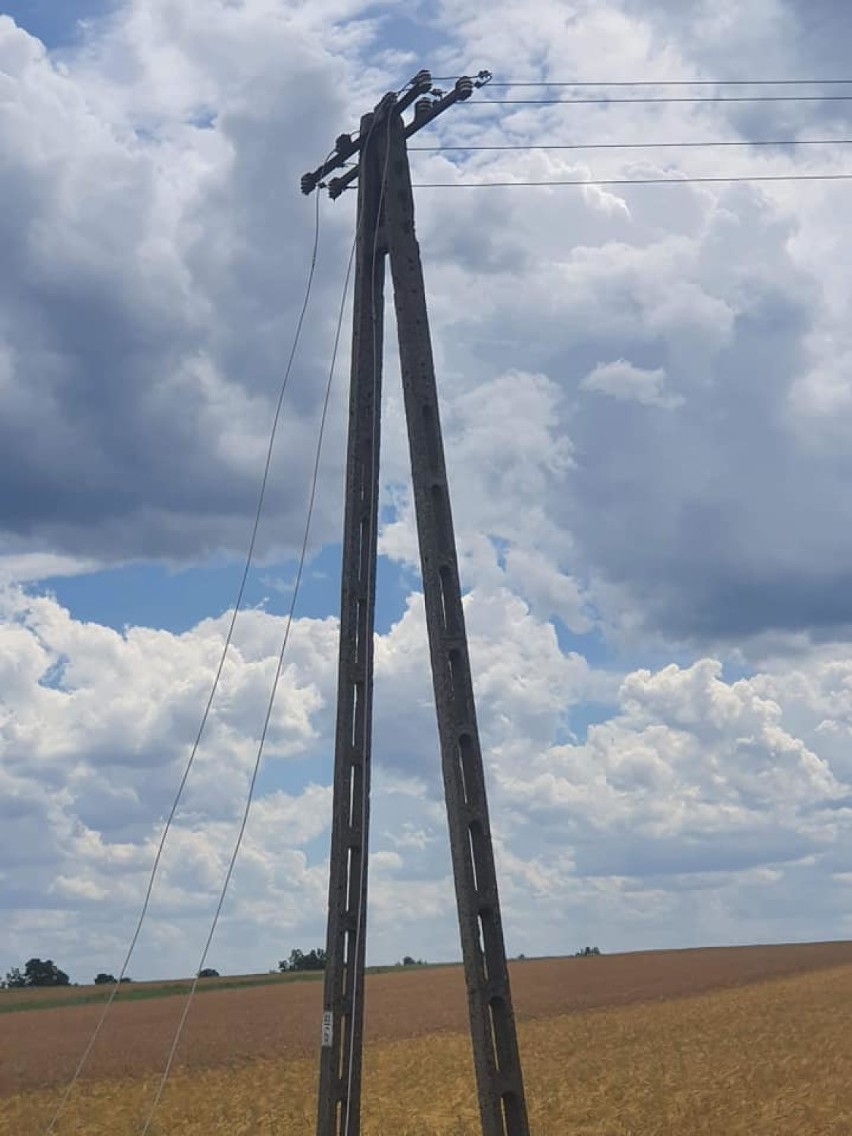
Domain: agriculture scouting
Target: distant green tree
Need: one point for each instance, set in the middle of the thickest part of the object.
(126, 979)
(38, 972)
(15, 980)
(587, 952)
(409, 961)
(298, 960)
(103, 979)
(45, 973)
(208, 972)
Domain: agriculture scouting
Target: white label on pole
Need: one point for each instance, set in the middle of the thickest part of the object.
(327, 1029)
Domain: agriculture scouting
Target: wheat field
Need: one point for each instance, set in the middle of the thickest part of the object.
(770, 1059)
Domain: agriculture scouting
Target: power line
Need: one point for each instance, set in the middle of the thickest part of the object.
(630, 181)
(658, 82)
(685, 83)
(665, 99)
(216, 680)
(642, 145)
(270, 705)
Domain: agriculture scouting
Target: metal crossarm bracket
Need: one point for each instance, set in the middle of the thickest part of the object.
(427, 107)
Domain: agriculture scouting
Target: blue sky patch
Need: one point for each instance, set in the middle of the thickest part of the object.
(154, 595)
(56, 22)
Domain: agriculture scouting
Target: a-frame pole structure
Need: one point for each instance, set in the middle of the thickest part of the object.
(385, 226)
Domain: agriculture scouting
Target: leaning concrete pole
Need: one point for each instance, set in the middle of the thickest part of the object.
(492, 1023)
(338, 1112)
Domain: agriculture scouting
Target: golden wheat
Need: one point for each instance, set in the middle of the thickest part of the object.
(765, 1060)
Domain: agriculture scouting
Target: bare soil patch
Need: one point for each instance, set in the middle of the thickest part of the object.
(230, 1027)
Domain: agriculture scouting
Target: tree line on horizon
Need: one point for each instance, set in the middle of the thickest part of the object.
(38, 972)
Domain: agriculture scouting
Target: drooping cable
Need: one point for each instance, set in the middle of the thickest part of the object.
(215, 685)
(270, 706)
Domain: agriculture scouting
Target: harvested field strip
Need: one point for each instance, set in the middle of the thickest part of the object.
(36, 997)
(54, 997)
(240, 1025)
(770, 1059)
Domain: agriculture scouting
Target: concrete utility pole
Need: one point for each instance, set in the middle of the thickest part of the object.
(386, 228)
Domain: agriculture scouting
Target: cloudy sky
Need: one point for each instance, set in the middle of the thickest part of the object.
(647, 400)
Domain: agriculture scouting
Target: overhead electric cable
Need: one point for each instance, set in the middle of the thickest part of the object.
(270, 705)
(216, 680)
(640, 145)
(630, 181)
(607, 101)
(585, 83)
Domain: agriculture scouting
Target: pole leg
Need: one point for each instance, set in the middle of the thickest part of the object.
(339, 1103)
(495, 1046)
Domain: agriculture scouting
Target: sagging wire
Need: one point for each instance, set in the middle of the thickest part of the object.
(270, 705)
(214, 688)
